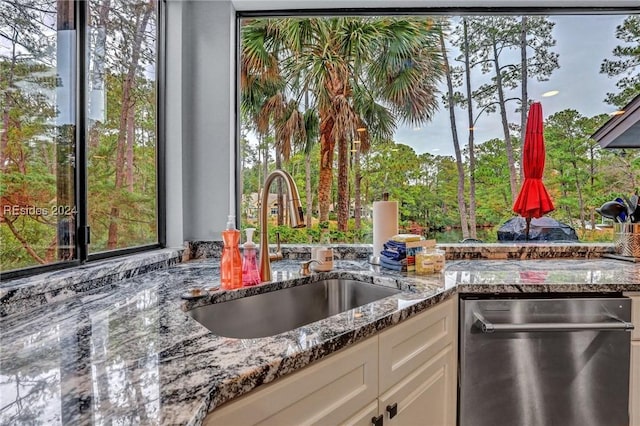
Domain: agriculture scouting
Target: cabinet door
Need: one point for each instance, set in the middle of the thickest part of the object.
(409, 345)
(427, 396)
(326, 393)
(634, 394)
(364, 416)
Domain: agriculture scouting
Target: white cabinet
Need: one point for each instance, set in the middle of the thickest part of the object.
(323, 393)
(634, 385)
(411, 365)
(426, 397)
(418, 369)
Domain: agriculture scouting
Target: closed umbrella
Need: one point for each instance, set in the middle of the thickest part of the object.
(533, 200)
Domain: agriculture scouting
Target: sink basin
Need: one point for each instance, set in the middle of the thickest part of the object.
(278, 311)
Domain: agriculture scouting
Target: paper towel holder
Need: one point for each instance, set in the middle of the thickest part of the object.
(374, 259)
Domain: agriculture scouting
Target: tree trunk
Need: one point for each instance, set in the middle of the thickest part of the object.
(260, 176)
(6, 108)
(356, 191)
(472, 155)
(580, 198)
(505, 126)
(462, 208)
(565, 195)
(307, 188)
(343, 184)
(524, 96)
(279, 190)
(327, 146)
(265, 164)
(131, 134)
(126, 104)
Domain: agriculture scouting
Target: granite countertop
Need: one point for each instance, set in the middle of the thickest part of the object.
(129, 354)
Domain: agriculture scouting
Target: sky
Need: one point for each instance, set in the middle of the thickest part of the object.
(582, 42)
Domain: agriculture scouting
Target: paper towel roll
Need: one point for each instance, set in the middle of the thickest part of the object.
(385, 223)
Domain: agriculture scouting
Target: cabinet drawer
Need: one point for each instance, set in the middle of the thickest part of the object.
(326, 393)
(427, 396)
(407, 346)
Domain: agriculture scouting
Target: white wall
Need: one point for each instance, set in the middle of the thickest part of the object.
(173, 124)
(200, 103)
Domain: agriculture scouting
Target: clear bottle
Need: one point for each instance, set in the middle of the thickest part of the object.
(250, 271)
(231, 262)
(425, 261)
(439, 260)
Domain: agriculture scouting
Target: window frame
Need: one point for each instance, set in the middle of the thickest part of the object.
(83, 236)
(389, 11)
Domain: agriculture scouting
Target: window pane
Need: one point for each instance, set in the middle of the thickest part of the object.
(121, 119)
(433, 111)
(37, 152)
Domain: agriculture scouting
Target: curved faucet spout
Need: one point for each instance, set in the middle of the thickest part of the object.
(296, 216)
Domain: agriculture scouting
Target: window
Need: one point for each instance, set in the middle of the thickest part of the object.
(79, 142)
(432, 109)
(121, 124)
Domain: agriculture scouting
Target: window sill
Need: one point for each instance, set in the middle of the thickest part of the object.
(23, 294)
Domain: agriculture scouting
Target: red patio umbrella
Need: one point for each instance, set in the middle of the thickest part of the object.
(533, 199)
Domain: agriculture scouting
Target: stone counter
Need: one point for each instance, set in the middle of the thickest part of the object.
(128, 353)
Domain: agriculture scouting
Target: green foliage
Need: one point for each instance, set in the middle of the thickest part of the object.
(317, 234)
(37, 156)
(578, 175)
(627, 66)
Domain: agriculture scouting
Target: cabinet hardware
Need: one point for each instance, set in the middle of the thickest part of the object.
(392, 410)
(377, 421)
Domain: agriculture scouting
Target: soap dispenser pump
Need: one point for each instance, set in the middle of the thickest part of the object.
(250, 271)
(231, 262)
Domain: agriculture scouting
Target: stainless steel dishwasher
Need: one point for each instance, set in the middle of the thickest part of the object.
(544, 361)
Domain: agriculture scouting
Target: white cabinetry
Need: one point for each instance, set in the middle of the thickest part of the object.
(405, 375)
(418, 360)
(634, 388)
(323, 393)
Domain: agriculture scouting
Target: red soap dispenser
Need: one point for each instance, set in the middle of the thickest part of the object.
(231, 263)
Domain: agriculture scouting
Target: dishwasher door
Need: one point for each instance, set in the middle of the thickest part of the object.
(544, 362)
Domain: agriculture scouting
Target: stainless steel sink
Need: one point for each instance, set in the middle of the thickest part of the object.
(278, 311)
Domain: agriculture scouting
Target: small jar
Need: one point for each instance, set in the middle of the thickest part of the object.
(439, 260)
(325, 256)
(425, 262)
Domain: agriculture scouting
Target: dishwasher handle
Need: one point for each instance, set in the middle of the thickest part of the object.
(487, 326)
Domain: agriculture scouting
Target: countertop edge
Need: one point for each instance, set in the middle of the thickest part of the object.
(287, 365)
(230, 390)
(24, 294)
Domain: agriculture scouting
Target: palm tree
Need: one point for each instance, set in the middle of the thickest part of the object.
(362, 72)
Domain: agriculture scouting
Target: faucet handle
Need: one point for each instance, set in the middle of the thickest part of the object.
(278, 254)
(305, 266)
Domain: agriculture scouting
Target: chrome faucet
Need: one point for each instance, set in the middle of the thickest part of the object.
(296, 217)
